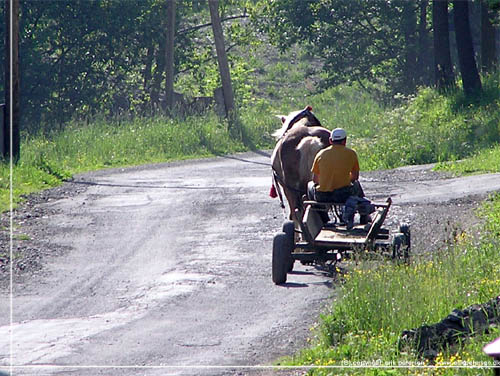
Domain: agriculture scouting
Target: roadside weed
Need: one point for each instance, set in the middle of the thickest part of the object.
(378, 301)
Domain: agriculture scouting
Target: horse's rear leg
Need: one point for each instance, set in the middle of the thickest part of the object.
(294, 202)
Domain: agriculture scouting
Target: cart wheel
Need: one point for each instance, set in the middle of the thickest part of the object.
(397, 244)
(405, 229)
(289, 230)
(280, 259)
(401, 246)
(406, 250)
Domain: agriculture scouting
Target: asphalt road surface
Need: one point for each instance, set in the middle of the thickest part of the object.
(166, 270)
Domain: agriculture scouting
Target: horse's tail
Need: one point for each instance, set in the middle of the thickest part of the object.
(308, 148)
(277, 170)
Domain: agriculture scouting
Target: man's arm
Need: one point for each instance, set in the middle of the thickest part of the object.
(315, 178)
(355, 168)
(354, 175)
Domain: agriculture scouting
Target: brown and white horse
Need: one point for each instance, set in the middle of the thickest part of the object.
(299, 139)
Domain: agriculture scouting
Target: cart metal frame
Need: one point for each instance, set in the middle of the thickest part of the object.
(312, 241)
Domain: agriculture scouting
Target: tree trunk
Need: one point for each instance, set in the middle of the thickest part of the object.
(466, 60)
(158, 74)
(443, 67)
(222, 58)
(169, 56)
(424, 62)
(147, 68)
(11, 128)
(410, 30)
(488, 41)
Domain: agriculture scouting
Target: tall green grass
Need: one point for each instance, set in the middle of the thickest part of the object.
(47, 160)
(483, 161)
(431, 127)
(377, 302)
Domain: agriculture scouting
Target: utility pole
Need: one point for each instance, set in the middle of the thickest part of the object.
(11, 124)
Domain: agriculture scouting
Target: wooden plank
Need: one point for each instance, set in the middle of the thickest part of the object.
(378, 221)
(340, 237)
(312, 222)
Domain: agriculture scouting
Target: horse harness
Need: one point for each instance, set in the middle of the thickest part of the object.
(278, 179)
(304, 113)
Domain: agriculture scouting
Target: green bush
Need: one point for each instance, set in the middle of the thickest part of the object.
(431, 128)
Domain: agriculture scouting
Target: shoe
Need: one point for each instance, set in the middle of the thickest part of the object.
(350, 224)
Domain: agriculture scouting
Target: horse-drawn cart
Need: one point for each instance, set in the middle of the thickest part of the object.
(313, 241)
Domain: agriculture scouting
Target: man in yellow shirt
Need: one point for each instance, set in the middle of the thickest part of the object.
(335, 175)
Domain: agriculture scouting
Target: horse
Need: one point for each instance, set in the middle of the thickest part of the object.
(298, 141)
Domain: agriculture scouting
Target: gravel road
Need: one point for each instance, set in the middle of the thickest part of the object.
(166, 269)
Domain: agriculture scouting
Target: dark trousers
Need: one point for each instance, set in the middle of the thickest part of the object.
(341, 196)
(338, 196)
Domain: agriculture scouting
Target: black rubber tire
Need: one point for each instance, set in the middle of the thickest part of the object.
(405, 229)
(280, 259)
(406, 250)
(289, 230)
(401, 243)
(398, 244)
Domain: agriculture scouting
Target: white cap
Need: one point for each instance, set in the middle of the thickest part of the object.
(338, 134)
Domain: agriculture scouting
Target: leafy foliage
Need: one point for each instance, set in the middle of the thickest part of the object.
(356, 40)
(435, 127)
(84, 58)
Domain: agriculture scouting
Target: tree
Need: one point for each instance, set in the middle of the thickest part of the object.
(82, 58)
(443, 66)
(11, 131)
(169, 55)
(424, 58)
(488, 41)
(225, 75)
(356, 40)
(467, 62)
(409, 26)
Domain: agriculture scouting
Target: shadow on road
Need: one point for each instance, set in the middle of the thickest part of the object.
(248, 161)
(292, 285)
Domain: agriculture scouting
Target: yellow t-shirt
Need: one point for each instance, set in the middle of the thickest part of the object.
(333, 165)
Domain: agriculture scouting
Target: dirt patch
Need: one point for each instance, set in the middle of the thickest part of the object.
(433, 225)
(31, 242)
(120, 255)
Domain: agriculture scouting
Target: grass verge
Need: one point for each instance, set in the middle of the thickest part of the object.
(48, 159)
(431, 127)
(377, 302)
(484, 161)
